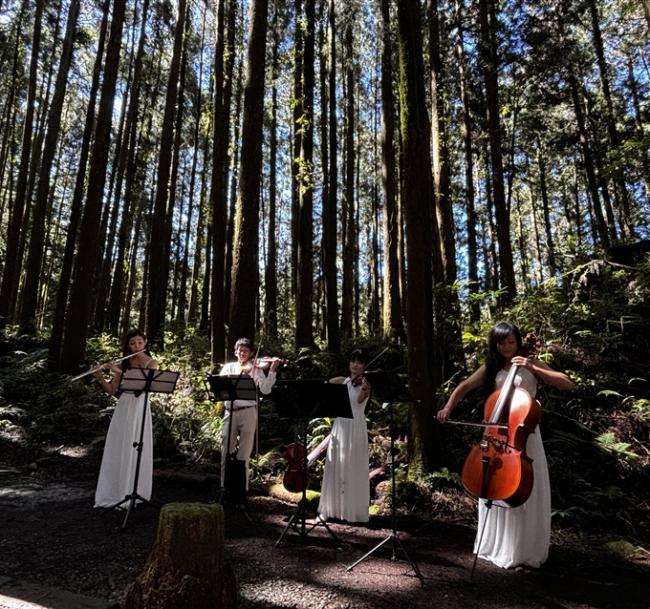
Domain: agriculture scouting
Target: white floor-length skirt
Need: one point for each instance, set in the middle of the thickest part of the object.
(521, 535)
(117, 472)
(345, 493)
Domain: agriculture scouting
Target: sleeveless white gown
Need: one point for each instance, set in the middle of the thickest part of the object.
(521, 535)
(345, 493)
(117, 471)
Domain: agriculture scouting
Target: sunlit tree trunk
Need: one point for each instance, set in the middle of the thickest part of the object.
(271, 271)
(330, 197)
(348, 228)
(417, 197)
(305, 283)
(296, 140)
(393, 326)
(245, 278)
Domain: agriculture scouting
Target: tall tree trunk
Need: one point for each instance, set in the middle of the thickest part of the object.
(491, 74)
(182, 318)
(129, 152)
(392, 310)
(219, 184)
(349, 232)
(417, 197)
(633, 86)
(467, 132)
(602, 235)
(330, 197)
(10, 276)
(305, 282)
(58, 320)
(37, 237)
(620, 190)
(446, 239)
(296, 141)
(160, 226)
(245, 278)
(523, 243)
(78, 313)
(271, 270)
(550, 246)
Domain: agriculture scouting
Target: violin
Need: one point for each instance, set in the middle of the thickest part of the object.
(497, 467)
(263, 363)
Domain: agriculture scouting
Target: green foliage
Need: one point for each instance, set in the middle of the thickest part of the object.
(608, 442)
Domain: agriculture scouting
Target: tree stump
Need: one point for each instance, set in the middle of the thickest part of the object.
(186, 567)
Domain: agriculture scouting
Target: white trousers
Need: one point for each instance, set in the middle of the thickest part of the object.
(241, 437)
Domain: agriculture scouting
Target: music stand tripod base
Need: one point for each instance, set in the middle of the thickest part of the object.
(388, 387)
(304, 399)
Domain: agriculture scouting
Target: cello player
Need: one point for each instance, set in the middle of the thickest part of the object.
(517, 536)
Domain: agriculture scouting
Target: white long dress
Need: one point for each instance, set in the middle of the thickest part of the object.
(117, 472)
(345, 493)
(521, 535)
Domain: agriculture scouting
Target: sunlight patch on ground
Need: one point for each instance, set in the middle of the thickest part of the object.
(26, 595)
(33, 494)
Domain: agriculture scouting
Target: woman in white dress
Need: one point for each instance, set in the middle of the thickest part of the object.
(521, 535)
(117, 471)
(345, 493)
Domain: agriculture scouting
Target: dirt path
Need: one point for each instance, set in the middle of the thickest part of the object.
(50, 534)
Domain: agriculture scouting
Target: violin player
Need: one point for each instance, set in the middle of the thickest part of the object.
(240, 417)
(513, 536)
(345, 493)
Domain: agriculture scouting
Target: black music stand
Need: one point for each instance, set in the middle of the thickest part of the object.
(138, 381)
(306, 399)
(388, 388)
(228, 388)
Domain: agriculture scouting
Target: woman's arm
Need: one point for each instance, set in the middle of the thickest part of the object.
(471, 382)
(114, 384)
(555, 378)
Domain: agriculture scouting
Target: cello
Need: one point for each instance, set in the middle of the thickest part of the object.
(498, 468)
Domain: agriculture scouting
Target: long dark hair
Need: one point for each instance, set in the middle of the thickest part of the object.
(126, 364)
(495, 361)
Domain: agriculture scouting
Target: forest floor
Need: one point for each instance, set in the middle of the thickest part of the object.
(51, 536)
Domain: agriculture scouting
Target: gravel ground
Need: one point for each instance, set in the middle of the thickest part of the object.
(50, 534)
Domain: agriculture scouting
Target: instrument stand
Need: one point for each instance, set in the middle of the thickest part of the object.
(324, 400)
(387, 385)
(298, 520)
(228, 388)
(142, 380)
